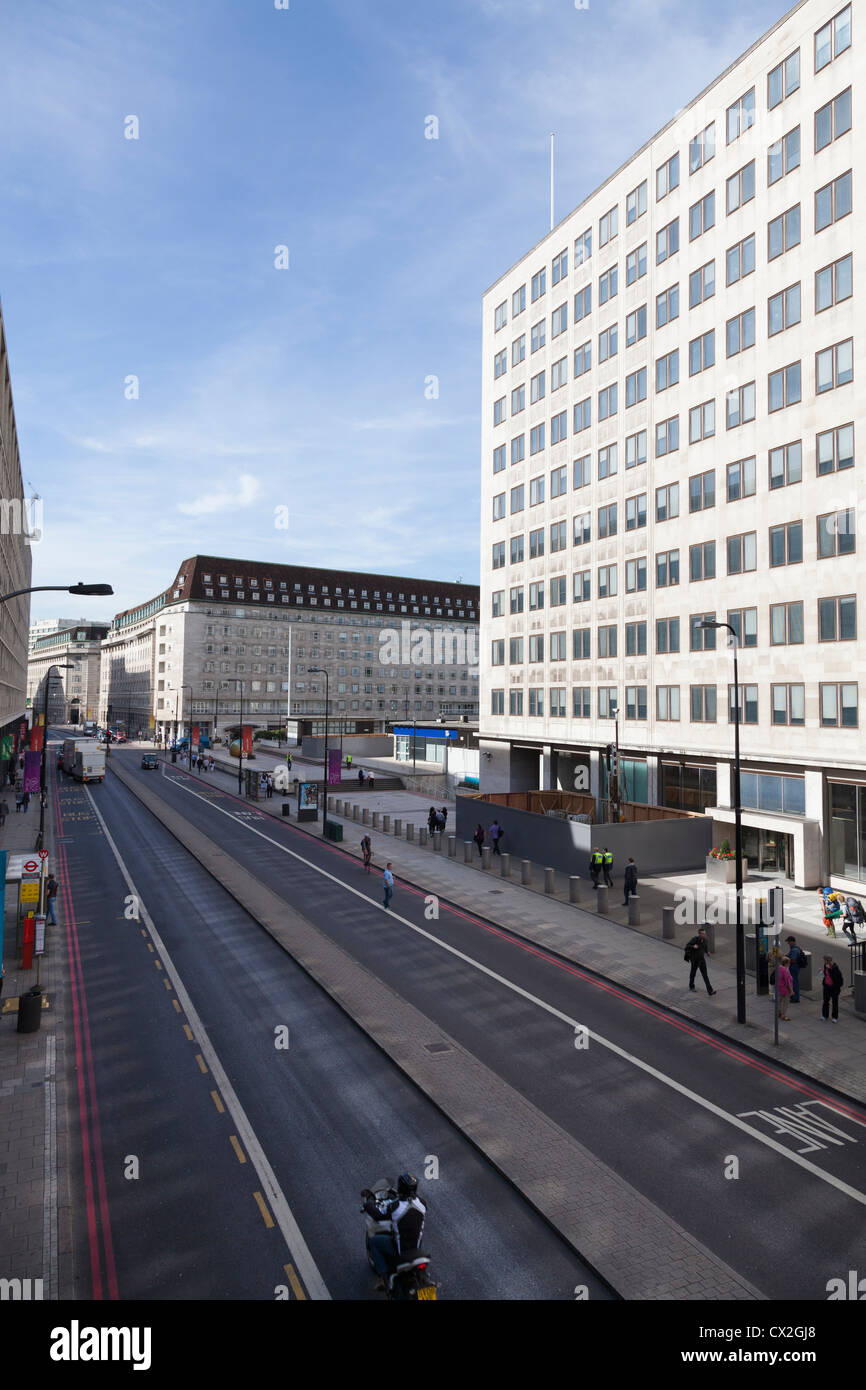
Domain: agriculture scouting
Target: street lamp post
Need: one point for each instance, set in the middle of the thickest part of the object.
(43, 778)
(240, 686)
(189, 688)
(80, 589)
(320, 671)
(738, 829)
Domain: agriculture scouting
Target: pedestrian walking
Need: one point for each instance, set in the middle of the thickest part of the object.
(289, 761)
(595, 866)
(441, 818)
(478, 837)
(784, 986)
(831, 981)
(431, 820)
(4, 811)
(606, 866)
(629, 880)
(496, 833)
(367, 852)
(50, 894)
(797, 961)
(696, 953)
(444, 817)
(270, 786)
(388, 884)
(26, 800)
(360, 777)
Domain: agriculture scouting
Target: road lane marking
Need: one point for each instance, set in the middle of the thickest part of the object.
(295, 1282)
(262, 1206)
(241, 1156)
(150, 946)
(733, 1120)
(202, 1064)
(289, 1228)
(188, 1031)
(158, 964)
(214, 1095)
(176, 1006)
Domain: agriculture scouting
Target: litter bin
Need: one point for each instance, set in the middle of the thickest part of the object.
(287, 808)
(334, 830)
(30, 1011)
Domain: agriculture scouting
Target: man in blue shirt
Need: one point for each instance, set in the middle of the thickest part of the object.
(388, 881)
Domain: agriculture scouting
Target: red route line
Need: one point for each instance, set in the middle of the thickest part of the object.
(82, 1036)
(682, 1025)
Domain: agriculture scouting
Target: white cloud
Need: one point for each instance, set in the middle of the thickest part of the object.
(225, 499)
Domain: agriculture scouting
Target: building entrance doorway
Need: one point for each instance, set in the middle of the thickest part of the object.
(769, 851)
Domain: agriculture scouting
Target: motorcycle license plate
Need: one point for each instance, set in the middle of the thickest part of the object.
(429, 1292)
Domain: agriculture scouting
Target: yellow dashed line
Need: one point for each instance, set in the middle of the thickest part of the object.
(150, 947)
(188, 1031)
(168, 984)
(158, 964)
(214, 1095)
(266, 1215)
(241, 1156)
(295, 1282)
(176, 1004)
(201, 1062)
(143, 932)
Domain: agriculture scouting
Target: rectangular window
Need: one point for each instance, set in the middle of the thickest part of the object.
(834, 366)
(582, 303)
(607, 521)
(500, 363)
(702, 352)
(702, 639)
(536, 439)
(635, 512)
(667, 501)
(635, 639)
(783, 80)
(558, 427)
(783, 156)
(702, 216)
(516, 499)
(837, 619)
(789, 704)
(499, 411)
(583, 247)
(538, 335)
(518, 350)
(702, 491)
(667, 370)
(558, 536)
(667, 635)
(741, 405)
(742, 553)
(518, 400)
(741, 479)
(834, 283)
(667, 436)
(786, 624)
(559, 320)
(786, 544)
(740, 332)
(635, 702)
(582, 359)
(607, 344)
(557, 703)
(667, 702)
(667, 568)
(539, 284)
(559, 481)
(515, 599)
(607, 285)
(499, 459)
(833, 38)
(499, 506)
(607, 402)
(667, 306)
(499, 555)
(702, 148)
(783, 310)
(702, 284)
(741, 187)
(581, 704)
(635, 204)
(607, 227)
(785, 465)
(606, 581)
(784, 387)
(635, 449)
(607, 702)
(500, 316)
(703, 704)
(497, 702)
(582, 471)
(744, 621)
(741, 116)
(536, 491)
(606, 642)
(515, 702)
(582, 415)
(833, 201)
(668, 241)
(783, 233)
(559, 268)
(833, 120)
(748, 704)
(580, 644)
(834, 450)
(667, 177)
(536, 598)
(518, 448)
(607, 461)
(702, 422)
(702, 561)
(635, 387)
(837, 534)
(581, 590)
(635, 264)
(497, 652)
(536, 388)
(559, 374)
(516, 556)
(518, 301)
(839, 706)
(536, 703)
(635, 576)
(635, 326)
(558, 591)
(740, 260)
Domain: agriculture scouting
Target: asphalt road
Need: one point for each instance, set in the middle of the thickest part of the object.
(164, 1181)
(765, 1169)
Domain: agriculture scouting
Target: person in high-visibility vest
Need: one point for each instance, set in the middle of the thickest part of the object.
(595, 864)
(607, 865)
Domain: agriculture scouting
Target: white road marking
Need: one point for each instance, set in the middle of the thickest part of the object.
(638, 1062)
(289, 1228)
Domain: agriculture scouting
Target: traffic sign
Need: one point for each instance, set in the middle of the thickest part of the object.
(43, 854)
(30, 866)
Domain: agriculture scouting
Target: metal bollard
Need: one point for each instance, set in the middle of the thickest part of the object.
(410, 832)
(526, 871)
(338, 809)
(398, 827)
(356, 813)
(859, 992)
(452, 846)
(505, 865)
(375, 820)
(386, 824)
(437, 840)
(633, 910)
(422, 834)
(365, 815)
(467, 851)
(549, 881)
(330, 803)
(667, 924)
(486, 856)
(601, 903)
(574, 889)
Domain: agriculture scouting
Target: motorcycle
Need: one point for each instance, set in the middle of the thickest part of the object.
(409, 1278)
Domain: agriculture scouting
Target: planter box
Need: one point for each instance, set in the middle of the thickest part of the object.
(725, 870)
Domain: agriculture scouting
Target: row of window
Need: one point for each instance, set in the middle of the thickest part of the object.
(831, 40)
(837, 703)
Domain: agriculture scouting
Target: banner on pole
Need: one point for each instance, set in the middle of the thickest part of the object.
(247, 739)
(32, 768)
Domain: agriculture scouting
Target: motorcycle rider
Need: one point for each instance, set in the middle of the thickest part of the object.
(406, 1212)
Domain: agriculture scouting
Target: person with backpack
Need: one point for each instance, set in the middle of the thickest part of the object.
(852, 916)
(797, 961)
(431, 820)
(367, 852)
(696, 954)
(831, 981)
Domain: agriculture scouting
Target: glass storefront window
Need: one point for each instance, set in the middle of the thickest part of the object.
(633, 781)
(687, 787)
(848, 830)
(765, 791)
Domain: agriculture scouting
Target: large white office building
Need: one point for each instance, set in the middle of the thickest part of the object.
(671, 422)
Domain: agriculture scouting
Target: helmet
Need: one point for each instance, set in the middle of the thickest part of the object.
(407, 1185)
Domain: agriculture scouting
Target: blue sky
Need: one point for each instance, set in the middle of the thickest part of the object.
(302, 388)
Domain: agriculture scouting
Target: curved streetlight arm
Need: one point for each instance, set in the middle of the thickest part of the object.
(82, 589)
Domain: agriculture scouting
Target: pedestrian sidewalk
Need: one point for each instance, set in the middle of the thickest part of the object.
(635, 957)
(33, 1212)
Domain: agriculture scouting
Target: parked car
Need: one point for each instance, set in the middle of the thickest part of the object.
(149, 760)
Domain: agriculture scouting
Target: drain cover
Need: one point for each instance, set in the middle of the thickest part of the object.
(437, 1047)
